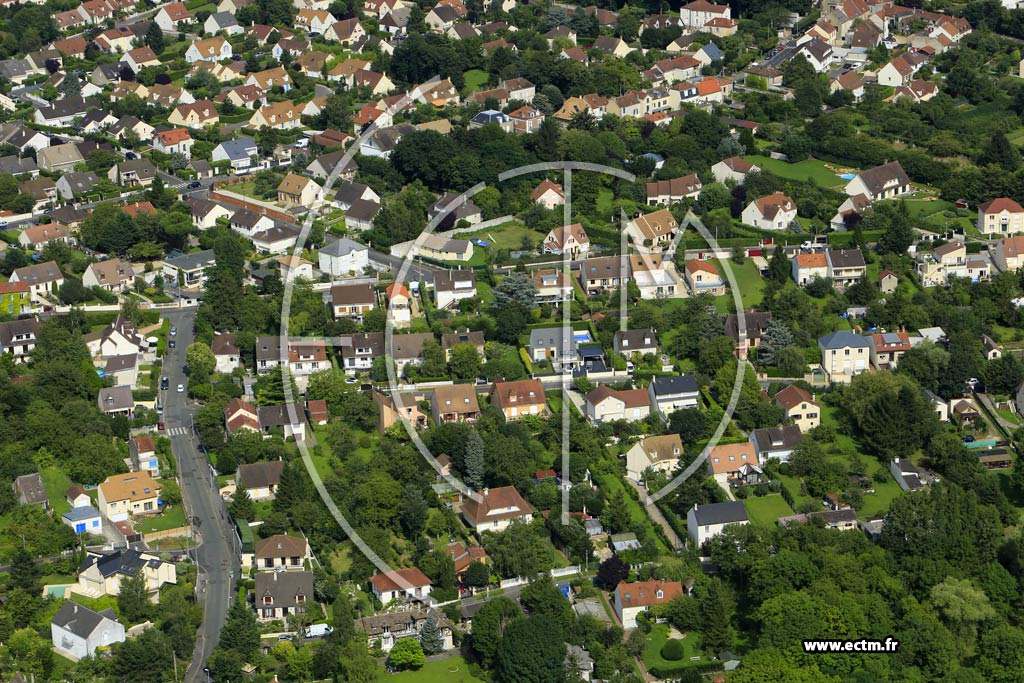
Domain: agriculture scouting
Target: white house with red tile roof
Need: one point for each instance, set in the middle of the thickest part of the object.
(702, 277)
(1000, 216)
(734, 169)
(630, 599)
(773, 212)
(605, 404)
(400, 584)
(568, 239)
(548, 194)
(496, 509)
(172, 16)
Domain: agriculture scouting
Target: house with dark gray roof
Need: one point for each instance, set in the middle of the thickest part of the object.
(77, 631)
(260, 479)
(344, 256)
(776, 442)
(704, 522)
(76, 184)
(669, 394)
(882, 182)
(634, 343)
(756, 322)
(29, 490)
(18, 338)
(280, 594)
(188, 270)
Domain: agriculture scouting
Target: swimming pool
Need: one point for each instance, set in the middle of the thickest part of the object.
(847, 176)
(582, 336)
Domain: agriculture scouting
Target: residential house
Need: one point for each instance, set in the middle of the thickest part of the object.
(188, 271)
(800, 407)
(172, 17)
(495, 509)
(102, 573)
(909, 476)
(598, 274)
(343, 256)
(43, 279)
(668, 394)
(307, 357)
(42, 190)
(198, 114)
(239, 415)
(78, 632)
(83, 519)
(992, 349)
(455, 403)
(901, 70)
(390, 412)
(611, 45)
(15, 300)
(1000, 216)
(640, 597)
(635, 343)
(132, 173)
(277, 552)
(59, 158)
(133, 494)
(361, 350)
(697, 14)
(140, 58)
(225, 350)
(297, 189)
(61, 113)
(704, 522)
(809, 267)
(174, 141)
(384, 630)
(818, 54)
(119, 339)
(440, 248)
(452, 339)
(703, 278)
(225, 22)
(773, 212)
(29, 490)
(664, 192)
(553, 345)
(400, 304)
(548, 194)
(734, 464)
(408, 584)
(526, 119)
(552, 285)
(260, 479)
(35, 237)
(352, 301)
(142, 452)
(519, 399)
(249, 223)
(654, 231)
(888, 281)
(776, 442)
(887, 348)
(281, 594)
(278, 115)
(605, 404)
(452, 286)
(733, 169)
(846, 267)
(844, 355)
(656, 453)
(76, 184)
(1008, 253)
(113, 275)
(407, 349)
(882, 182)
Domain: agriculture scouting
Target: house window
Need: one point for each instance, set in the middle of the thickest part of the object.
(268, 600)
(268, 613)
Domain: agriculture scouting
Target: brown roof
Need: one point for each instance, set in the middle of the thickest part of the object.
(260, 474)
(770, 206)
(315, 348)
(451, 339)
(647, 593)
(999, 205)
(317, 409)
(463, 556)
(676, 187)
(224, 345)
(457, 398)
(811, 261)
(398, 579)
(131, 486)
(632, 398)
(281, 545)
(346, 295)
(793, 396)
(522, 392)
(656, 224)
(494, 505)
(144, 444)
(660, 448)
(1013, 246)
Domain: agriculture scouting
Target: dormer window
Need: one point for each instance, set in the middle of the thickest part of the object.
(660, 594)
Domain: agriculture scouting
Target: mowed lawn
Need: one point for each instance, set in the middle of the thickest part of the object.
(809, 170)
(433, 672)
(171, 519)
(656, 640)
(749, 281)
(56, 484)
(506, 236)
(476, 79)
(765, 510)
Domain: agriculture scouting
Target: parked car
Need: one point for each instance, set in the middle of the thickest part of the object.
(319, 631)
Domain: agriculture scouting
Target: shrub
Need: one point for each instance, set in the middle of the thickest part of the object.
(672, 650)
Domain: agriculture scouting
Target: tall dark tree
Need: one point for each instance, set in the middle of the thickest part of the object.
(133, 599)
(715, 614)
(489, 626)
(1001, 152)
(779, 268)
(24, 571)
(413, 513)
(532, 650)
(240, 633)
(242, 507)
(430, 635)
(612, 572)
(155, 37)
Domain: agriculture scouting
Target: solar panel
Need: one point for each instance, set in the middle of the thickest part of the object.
(891, 338)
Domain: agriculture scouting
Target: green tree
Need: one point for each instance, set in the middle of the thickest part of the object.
(242, 507)
(24, 572)
(489, 626)
(430, 635)
(517, 287)
(715, 615)
(133, 599)
(241, 633)
(689, 423)
(406, 654)
(779, 268)
(532, 650)
(200, 361)
(1001, 153)
(413, 512)
(776, 337)
(473, 461)
(477, 574)
(963, 607)
(465, 361)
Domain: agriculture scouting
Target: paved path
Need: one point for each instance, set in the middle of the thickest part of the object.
(673, 538)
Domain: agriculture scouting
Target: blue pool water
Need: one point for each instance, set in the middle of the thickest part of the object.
(847, 176)
(581, 336)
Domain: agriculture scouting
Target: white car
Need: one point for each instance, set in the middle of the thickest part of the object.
(181, 388)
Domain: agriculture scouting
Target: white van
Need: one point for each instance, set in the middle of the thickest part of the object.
(318, 631)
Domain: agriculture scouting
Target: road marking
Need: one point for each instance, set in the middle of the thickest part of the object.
(178, 431)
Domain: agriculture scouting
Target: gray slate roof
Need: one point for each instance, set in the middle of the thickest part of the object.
(720, 513)
(80, 620)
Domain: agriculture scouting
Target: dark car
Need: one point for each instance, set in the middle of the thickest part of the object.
(171, 344)
(194, 185)
(131, 156)
(969, 438)
(164, 382)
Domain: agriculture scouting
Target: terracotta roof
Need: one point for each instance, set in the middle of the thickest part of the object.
(770, 206)
(999, 205)
(173, 136)
(656, 224)
(1013, 246)
(793, 396)
(729, 458)
(695, 265)
(523, 392)
(399, 579)
(738, 164)
(544, 186)
(631, 398)
(144, 444)
(811, 261)
(647, 593)
(676, 187)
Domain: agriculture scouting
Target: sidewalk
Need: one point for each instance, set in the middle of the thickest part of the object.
(658, 518)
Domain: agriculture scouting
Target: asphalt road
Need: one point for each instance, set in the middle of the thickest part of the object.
(216, 554)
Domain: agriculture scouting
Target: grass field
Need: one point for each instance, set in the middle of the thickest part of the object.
(749, 281)
(610, 485)
(56, 484)
(454, 670)
(505, 236)
(809, 170)
(766, 509)
(476, 79)
(656, 640)
(168, 520)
